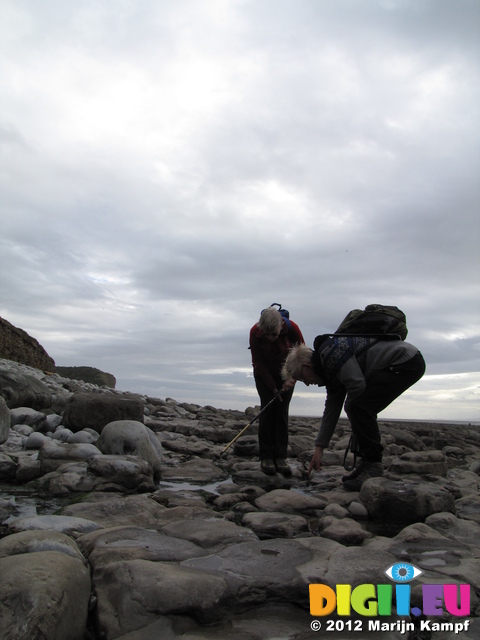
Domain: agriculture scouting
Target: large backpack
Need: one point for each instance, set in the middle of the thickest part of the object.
(376, 320)
(355, 334)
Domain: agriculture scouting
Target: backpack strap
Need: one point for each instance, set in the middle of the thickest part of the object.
(350, 446)
(378, 336)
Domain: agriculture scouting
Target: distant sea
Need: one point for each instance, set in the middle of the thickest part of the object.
(465, 423)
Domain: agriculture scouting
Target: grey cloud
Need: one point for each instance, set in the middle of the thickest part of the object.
(327, 158)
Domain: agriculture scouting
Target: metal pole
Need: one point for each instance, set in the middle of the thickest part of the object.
(249, 425)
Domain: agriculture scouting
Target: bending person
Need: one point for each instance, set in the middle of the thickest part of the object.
(365, 374)
(271, 338)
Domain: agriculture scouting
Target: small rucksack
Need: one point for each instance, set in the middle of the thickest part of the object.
(284, 313)
(286, 316)
(376, 320)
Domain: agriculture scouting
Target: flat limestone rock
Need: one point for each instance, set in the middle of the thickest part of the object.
(117, 510)
(135, 593)
(133, 543)
(209, 533)
(71, 526)
(344, 530)
(271, 524)
(288, 501)
(194, 471)
(37, 540)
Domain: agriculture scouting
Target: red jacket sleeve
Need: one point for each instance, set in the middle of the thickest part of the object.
(268, 357)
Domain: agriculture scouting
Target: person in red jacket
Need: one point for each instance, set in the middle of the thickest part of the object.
(271, 338)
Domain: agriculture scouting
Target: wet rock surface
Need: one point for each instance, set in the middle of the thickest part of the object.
(141, 528)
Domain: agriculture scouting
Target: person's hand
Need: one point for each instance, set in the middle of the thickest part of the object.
(316, 461)
(288, 384)
(278, 394)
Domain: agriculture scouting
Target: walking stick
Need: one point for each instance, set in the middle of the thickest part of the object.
(249, 424)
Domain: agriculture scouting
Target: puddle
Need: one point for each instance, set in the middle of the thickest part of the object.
(385, 529)
(24, 503)
(190, 486)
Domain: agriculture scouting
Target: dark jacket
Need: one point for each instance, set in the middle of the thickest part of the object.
(268, 357)
(352, 377)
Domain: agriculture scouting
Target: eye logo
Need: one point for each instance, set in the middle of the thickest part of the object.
(402, 572)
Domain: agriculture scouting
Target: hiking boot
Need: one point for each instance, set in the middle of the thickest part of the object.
(268, 467)
(360, 466)
(370, 470)
(283, 468)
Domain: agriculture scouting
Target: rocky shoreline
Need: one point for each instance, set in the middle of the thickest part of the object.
(121, 518)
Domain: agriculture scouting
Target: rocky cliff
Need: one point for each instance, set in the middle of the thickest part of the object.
(17, 345)
(88, 374)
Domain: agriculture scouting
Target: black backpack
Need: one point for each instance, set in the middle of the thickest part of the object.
(376, 320)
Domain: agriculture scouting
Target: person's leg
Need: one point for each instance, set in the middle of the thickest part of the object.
(281, 408)
(266, 429)
(382, 389)
(280, 415)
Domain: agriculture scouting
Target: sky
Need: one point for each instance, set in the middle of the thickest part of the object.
(169, 169)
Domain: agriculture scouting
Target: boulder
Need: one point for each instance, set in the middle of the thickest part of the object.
(37, 540)
(43, 595)
(422, 463)
(23, 390)
(403, 437)
(62, 434)
(28, 416)
(463, 532)
(250, 473)
(36, 440)
(28, 467)
(8, 467)
(96, 410)
(4, 420)
(124, 474)
(344, 530)
(127, 472)
(290, 502)
(209, 533)
(191, 445)
(134, 593)
(128, 437)
(85, 436)
(404, 500)
(468, 508)
(112, 510)
(53, 455)
(70, 526)
(132, 543)
(246, 446)
(271, 524)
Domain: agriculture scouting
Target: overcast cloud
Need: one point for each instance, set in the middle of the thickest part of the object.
(169, 169)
